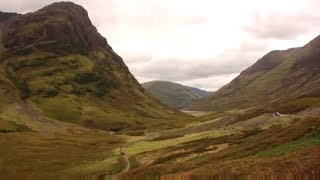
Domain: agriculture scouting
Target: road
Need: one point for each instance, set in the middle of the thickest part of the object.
(125, 159)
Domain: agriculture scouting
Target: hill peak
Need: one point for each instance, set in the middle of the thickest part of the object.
(67, 7)
(56, 59)
(174, 94)
(286, 80)
(64, 4)
(58, 23)
(6, 15)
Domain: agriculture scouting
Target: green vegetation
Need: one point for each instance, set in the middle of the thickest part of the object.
(1, 45)
(20, 84)
(237, 152)
(173, 94)
(67, 78)
(308, 140)
(111, 165)
(298, 105)
(279, 81)
(64, 152)
(62, 48)
(145, 146)
(8, 127)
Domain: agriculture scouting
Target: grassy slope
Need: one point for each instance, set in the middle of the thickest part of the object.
(278, 78)
(33, 152)
(71, 83)
(173, 94)
(280, 144)
(54, 91)
(47, 87)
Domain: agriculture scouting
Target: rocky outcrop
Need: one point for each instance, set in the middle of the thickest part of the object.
(63, 22)
(4, 16)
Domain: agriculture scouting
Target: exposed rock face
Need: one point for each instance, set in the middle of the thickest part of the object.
(6, 15)
(63, 22)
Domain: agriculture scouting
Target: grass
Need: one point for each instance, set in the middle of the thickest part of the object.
(190, 153)
(145, 146)
(77, 88)
(62, 107)
(308, 140)
(9, 126)
(62, 152)
(109, 166)
(297, 105)
(172, 94)
(1, 45)
(265, 86)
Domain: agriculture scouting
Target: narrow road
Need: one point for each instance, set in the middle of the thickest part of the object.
(125, 159)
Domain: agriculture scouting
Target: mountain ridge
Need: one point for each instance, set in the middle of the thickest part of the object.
(174, 94)
(55, 60)
(275, 80)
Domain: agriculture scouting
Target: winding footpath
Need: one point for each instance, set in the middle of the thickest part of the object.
(125, 159)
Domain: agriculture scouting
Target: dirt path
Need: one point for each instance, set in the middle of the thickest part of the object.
(125, 159)
(197, 113)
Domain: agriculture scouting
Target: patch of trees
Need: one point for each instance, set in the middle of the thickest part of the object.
(36, 62)
(63, 48)
(99, 81)
(48, 91)
(87, 77)
(104, 85)
(23, 87)
(20, 83)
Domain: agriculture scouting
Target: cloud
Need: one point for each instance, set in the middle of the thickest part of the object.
(211, 83)
(180, 70)
(231, 61)
(281, 26)
(136, 58)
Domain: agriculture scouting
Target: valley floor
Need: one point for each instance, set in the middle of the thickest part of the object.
(218, 143)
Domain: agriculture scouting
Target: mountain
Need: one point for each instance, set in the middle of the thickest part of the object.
(173, 94)
(55, 62)
(70, 107)
(287, 81)
(6, 15)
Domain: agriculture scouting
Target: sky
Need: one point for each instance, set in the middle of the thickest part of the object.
(199, 43)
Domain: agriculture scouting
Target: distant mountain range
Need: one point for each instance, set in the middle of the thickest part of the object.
(286, 81)
(173, 94)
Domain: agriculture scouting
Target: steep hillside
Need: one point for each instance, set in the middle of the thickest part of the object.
(286, 81)
(6, 15)
(55, 61)
(173, 94)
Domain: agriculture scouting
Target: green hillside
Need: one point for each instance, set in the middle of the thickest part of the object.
(173, 94)
(66, 98)
(287, 81)
(55, 61)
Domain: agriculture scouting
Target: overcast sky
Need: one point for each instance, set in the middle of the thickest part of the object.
(201, 43)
